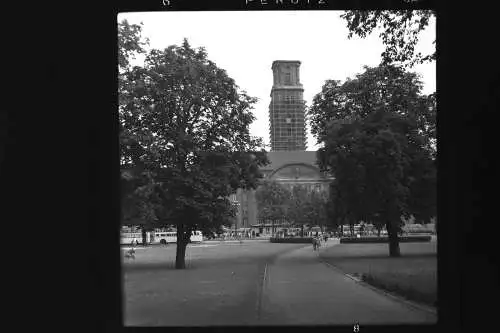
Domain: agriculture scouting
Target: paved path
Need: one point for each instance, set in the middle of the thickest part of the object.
(288, 285)
(299, 289)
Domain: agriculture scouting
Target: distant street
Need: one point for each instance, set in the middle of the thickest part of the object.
(252, 284)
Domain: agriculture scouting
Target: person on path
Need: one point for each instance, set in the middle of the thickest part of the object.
(318, 242)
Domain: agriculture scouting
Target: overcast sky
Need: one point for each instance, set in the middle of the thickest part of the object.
(246, 43)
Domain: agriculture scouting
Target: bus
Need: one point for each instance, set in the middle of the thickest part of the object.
(130, 235)
(165, 237)
(367, 229)
(159, 236)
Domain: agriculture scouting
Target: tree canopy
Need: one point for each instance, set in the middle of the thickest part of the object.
(130, 42)
(272, 200)
(377, 141)
(400, 32)
(386, 86)
(139, 200)
(299, 205)
(185, 123)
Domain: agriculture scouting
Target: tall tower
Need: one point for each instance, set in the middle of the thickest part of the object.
(287, 108)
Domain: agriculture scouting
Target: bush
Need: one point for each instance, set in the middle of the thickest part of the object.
(302, 240)
(425, 231)
(404, 239)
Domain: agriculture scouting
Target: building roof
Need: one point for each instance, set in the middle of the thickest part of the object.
(280, 158)
(286, 61)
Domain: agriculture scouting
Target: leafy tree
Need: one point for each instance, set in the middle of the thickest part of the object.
(189, 125)
(316, 209)
(139, 203)
(332, 220)
(375, 159)
(400, 32)
(389, 87)
(130, 42)
(338, 212)
(306, 207)
(378, 133)
(301, 207)
(297, 212)
(272, 201)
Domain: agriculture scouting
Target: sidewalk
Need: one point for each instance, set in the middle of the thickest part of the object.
(299, 289)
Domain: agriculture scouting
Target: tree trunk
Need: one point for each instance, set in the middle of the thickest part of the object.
(302, 230)
(144, 240)
(180, 256)
(182, 241)
(394, 250)
(378, 231)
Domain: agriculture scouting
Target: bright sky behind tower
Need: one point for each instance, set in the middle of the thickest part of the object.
(246, 43)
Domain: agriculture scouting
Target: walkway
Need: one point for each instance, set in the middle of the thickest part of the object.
(299, 289)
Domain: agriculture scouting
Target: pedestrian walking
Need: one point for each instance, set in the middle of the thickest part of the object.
(318, 242)
(130, 253)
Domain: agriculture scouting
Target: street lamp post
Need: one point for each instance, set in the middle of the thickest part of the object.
(238, 215)
(236, 203)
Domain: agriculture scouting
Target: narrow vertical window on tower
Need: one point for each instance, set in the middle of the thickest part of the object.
(288, 80)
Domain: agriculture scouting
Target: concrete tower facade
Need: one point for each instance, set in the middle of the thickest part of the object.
(287, 108)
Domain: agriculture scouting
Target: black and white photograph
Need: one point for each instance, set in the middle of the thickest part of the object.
(278, 168)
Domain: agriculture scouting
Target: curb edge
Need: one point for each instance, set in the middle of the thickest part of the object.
(398, 298)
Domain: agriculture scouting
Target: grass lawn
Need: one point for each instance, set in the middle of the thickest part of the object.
(219, 287)
(413, 275)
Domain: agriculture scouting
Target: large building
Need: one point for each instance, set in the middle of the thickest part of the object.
(290, 163)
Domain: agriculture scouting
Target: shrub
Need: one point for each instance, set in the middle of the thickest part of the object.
(404, 239)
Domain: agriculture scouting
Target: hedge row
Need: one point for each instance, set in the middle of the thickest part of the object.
(404, 239)
(302, 240)
(419, 231)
